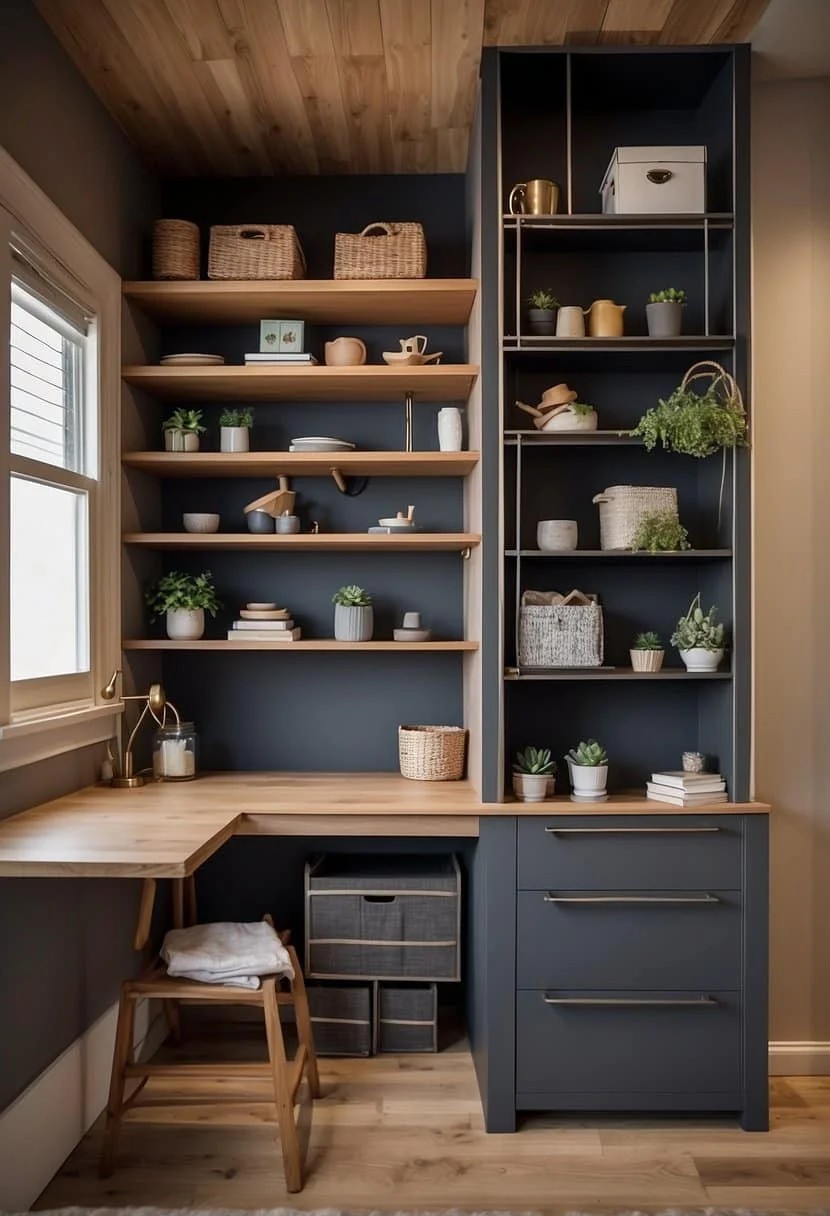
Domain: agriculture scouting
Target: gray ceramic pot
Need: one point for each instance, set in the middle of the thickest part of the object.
(287, 523)
(260, 521)
(353, 623)
(664, 320)
(542, 321)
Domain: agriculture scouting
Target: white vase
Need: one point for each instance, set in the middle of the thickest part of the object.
(449, 429)
(234, 439)
(353, 622)
(588, 778)
(699, 659)
(185, 624)
(533, 787)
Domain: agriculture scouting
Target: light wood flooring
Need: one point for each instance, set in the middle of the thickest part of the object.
(399, 1132)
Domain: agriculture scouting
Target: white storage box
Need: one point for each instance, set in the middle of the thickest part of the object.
(655, 181)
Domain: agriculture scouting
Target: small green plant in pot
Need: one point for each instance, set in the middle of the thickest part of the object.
(183, 599)
(353, 614)
(234, 430)
(588, 767)
(660, 532)
(534, 774)
(700, 638)
(182, 430)
(664, 312)
(541, 312)
(647, 652)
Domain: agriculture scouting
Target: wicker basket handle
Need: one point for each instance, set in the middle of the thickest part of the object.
(252, 233)
(386, 229)
(601, 498)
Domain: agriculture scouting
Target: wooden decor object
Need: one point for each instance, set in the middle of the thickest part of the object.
(255, 251)
(381, 251)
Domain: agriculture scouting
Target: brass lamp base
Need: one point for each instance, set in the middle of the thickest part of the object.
(126, 783)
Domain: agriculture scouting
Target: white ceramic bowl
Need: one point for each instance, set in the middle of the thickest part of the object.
(200, 521)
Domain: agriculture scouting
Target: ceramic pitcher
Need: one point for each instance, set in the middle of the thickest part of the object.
(345, 352)
(570, 322)
(605, 319)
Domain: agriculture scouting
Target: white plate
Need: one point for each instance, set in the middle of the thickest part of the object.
(341, 443)
(191, 360)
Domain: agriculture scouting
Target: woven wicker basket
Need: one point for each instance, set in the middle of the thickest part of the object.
(561, 635)
(647, 660)
(175, 250)
(395, 251)
(255, 251)
(622, 507)
(432, 753)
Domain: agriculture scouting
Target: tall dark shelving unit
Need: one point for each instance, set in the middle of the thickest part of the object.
(560, 113)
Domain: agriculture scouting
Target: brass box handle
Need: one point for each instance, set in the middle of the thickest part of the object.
(659, 177)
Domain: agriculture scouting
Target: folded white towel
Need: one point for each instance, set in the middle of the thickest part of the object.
(235, 955)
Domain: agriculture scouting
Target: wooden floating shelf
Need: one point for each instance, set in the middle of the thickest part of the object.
(637, 343)
(303, 464)
(320, 301)
(621, 554)
(617, 673)
(446, 383)
(312, 644)
(307, 542)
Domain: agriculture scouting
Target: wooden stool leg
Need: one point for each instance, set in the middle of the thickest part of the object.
(292, 1162)
(121, 1058)
(305, 1033)
(172, 1013)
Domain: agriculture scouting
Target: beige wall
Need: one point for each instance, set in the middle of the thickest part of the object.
(791, 370)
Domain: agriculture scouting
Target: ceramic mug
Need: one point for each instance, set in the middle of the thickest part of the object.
(570, 322)
(287, 523)
(416, 345)
(556, 535)
(537, 197)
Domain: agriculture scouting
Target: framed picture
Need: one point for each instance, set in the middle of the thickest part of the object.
(281, 337)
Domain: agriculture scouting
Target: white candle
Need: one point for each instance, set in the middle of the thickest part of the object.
(174, 759)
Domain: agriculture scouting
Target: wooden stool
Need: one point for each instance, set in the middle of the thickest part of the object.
(155, 983)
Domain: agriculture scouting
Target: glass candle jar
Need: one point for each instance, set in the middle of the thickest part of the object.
(174, 752)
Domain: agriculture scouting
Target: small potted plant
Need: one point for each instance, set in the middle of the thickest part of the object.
(182, 430)
(647, 653)
(664, 312)
(699, 638)
(588, 767)
(541, 312)
(183, 599)
(353, 615)
(534, 774)
(660, 532)
(234, 428)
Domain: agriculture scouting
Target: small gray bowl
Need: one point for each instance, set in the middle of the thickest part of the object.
(260, 521)
(287, 523)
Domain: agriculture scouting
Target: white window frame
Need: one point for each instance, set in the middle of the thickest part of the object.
(76, 714)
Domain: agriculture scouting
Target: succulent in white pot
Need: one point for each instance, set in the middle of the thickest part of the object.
(534, 774)
(183, 600)
(647, 652)
(182, 430)
(699, 638)
(235, 430)
(588, 767)
(353, 615)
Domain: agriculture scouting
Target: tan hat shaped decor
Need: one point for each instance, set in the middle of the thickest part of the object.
(559, 410)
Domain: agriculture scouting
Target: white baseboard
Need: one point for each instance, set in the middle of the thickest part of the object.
(42, 1126)
(799, 1059)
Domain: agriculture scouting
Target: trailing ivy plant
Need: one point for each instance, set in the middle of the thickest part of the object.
(182, 591)
(696, 424)
(660, 532)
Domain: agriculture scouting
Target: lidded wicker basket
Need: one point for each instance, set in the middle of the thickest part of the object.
(255, 251)
(621, 508)
(432, 753)
(381, 251)
(175, 249)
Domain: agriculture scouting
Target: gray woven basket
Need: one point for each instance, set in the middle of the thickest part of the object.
(561, 635)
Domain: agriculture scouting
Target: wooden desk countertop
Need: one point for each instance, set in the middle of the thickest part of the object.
(168, 830)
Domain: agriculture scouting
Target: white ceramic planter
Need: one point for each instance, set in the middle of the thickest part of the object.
(665, 320)
(449, 429)
(181, 441)
(353, 623)
(556, 535)
(647, 660)
(588, 779)
(569, 421)
(234, 439)
(533, 787)
(185, 624)
(699, 659)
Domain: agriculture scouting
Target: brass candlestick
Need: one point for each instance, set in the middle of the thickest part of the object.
(155, 700)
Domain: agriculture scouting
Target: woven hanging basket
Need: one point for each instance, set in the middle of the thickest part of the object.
(255, 251)
(722, 382)
(381, 251)
(621, 508)
(432, 753)
(175, 250)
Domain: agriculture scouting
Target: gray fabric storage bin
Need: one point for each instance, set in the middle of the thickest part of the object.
(383, 918)
(407, 1018)
(341, 1018)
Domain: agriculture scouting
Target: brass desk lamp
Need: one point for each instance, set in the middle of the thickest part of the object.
(155, 702)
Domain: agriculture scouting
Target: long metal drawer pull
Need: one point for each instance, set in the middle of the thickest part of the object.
(554, 831)
(550, 898)
(625, 1002)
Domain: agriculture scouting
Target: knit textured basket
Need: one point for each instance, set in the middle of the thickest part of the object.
(393, 251)
(621, 509)
(255, 251)
(432, 753)
(175, 250)
(569, 634)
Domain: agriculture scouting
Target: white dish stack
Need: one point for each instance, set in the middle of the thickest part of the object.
(260, 622)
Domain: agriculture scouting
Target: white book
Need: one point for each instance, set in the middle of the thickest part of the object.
(684, 780)
(260, 635)
(265, 626)
(703, 787)
(687, 799)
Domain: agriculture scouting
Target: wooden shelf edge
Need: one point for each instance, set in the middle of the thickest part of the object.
(349, 541)
(617, 673)
(298, 464)
(311, 644)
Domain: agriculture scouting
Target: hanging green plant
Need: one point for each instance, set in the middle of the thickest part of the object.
(695, 423)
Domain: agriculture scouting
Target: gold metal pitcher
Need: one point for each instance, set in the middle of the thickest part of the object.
(536, 197)
(605, 319)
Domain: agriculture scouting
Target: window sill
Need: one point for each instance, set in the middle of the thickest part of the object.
(30, 738)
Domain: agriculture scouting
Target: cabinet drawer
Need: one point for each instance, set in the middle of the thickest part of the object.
(615, 853)
(671, 939)
(658, 1043)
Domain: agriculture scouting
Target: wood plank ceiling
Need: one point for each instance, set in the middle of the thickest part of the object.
(250, 87)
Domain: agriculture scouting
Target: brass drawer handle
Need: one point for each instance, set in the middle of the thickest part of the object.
(621, 1002)
(554, 831)
(550, 898)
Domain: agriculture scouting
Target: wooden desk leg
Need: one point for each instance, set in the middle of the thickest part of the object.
(190, 906)
(145, 913)
(178, 903)
(121, 1058)
(291, 1160)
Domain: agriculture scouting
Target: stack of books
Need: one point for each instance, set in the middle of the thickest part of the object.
(289, 357)
(264, 625)
(686, 789)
